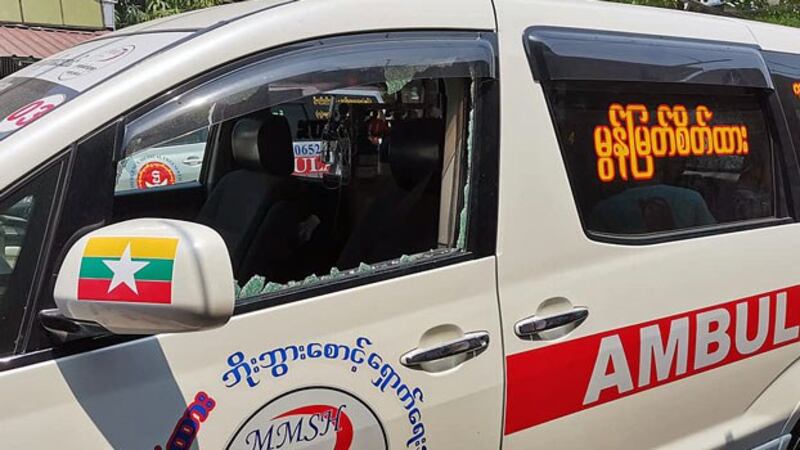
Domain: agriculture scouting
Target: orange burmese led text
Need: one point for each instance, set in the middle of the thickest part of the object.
(626, 148)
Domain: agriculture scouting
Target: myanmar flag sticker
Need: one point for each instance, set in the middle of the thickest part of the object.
(127, 269)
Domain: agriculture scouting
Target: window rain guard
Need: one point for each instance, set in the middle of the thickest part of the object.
(571, 54)
(307, 72)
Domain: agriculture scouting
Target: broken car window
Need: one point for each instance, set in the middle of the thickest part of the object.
(330, 163)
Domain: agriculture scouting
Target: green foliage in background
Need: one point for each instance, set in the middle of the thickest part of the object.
(786, 12)
(131, 12)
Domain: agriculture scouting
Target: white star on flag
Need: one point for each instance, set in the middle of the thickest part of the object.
(124, 270)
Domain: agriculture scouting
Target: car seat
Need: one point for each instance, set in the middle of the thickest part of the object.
(262, 187)
(405, 219)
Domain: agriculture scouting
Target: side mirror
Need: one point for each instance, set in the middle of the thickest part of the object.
(143, 276)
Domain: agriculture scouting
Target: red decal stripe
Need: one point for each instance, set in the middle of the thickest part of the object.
(149, 291)
(553, 381)
(344, 426)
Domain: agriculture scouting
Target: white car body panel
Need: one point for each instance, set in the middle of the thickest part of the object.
(104, 398)
(532, 265)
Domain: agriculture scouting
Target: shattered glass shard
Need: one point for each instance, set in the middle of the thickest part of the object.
(463, 216)
(253, 286)
(311, 279)
(273, 287)
(398, 77)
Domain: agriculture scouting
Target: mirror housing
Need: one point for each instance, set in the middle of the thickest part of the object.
(147, 276)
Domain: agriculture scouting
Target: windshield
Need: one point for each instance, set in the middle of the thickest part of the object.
(40, 88)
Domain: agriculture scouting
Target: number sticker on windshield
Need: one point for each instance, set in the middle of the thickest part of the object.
(30, 113)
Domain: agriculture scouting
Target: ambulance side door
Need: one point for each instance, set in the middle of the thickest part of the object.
(403, 352)
(647, 247)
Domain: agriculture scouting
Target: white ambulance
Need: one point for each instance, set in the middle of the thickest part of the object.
(549, 224)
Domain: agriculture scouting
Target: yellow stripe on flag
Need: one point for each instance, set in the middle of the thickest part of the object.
(141, 247)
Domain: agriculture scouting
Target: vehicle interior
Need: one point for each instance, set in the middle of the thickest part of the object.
(323, 184)
(685, 192)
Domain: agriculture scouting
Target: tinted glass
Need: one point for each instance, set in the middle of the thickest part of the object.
(785, 69)
(23, 221)
(173, 162)
(641, 162)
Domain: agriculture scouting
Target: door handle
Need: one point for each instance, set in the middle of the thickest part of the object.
(193, 160)
(471, 344)
(531, 326)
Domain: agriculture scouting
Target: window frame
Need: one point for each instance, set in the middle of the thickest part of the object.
(783, 104)
(189, 184)
(548, 68)
(56, 167)
(482, 213)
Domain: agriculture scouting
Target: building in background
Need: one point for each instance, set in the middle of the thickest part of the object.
(34, 29)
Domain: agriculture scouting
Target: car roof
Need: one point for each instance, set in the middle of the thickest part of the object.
(222, 34)
(203, 19)
(770, 36)
(773, 37)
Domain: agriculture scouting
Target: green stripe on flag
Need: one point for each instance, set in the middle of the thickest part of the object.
(156, 270)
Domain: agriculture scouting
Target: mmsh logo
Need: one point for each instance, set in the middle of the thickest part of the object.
(313, 418)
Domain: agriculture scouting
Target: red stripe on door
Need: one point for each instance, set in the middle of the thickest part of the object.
(561, 379)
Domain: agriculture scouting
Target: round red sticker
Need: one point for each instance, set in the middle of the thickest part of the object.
(30, 112)
(154, 174)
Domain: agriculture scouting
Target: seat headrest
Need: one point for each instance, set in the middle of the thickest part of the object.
(415, 150)
(264, 144)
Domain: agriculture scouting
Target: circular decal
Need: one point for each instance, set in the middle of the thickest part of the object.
(108, 54)
(30, 112)
(94, 60)
(312, 418)
(155, 174)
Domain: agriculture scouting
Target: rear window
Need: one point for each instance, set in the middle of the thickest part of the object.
(643, 162)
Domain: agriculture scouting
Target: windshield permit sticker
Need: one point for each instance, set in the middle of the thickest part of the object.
(628, 146)
(155, 174)
(147, 171)
(318, 417)
(185, 432)
(308, 159)
(275, 363)
(30, 113)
